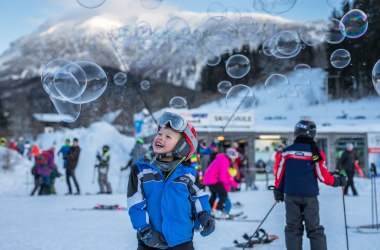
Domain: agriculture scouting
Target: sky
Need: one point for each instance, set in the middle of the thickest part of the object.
(21, 17)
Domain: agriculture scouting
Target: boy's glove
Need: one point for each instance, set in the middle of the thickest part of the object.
(278, 195)
(340, 181)
(207, 222)
(152, 238)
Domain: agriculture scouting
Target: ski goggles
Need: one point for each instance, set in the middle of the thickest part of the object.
(176, 122)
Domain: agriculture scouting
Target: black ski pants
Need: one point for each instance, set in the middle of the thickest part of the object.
(301, 210)
(350, 183)
(37, 184)
(184, 246)
(71, 173)
(217, 190)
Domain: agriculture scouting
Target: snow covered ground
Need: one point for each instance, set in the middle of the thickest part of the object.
(47, 222)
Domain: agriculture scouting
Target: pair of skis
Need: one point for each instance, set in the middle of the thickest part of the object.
(102, 207)
(238, 217)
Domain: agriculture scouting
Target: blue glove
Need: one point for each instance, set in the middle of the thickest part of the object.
(207, 222)
(152, 238)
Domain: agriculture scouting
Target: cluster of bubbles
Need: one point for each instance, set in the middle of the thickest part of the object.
(70, 84)
(224, 31)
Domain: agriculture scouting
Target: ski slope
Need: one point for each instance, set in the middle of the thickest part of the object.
(47, 222)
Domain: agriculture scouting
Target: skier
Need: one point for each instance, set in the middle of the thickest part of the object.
(137, 152)
(64, 150)
(37, 179)
(219, 180)
(72, 158)
(103, 167)
(204, 155)
(300, 167)
(163, 189)
(44, 168)
(347, 163)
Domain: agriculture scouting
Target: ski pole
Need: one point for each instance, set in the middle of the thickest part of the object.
(257, 229)
(345, 217)
(93, 176)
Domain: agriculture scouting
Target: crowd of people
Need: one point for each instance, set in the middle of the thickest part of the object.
(175, 172)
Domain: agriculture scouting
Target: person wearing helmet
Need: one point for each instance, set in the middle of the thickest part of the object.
(347, 163)
(103, 167)
(64, 150)
(163, 189)
(219, 180)
(137, 152)
(298, 170)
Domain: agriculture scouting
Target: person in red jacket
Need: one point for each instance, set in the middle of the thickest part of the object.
(219, 180)
(298, 170)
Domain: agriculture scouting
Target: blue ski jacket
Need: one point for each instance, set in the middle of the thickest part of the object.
(165, 203)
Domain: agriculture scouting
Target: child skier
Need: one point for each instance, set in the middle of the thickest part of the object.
(297, 171)
(163, 189)
(219, 180)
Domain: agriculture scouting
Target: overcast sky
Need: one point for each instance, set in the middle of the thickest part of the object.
(21, 17)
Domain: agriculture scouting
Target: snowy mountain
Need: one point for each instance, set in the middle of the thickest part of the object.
(169, 45)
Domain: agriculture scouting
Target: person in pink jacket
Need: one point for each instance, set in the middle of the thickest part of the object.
(219, 180)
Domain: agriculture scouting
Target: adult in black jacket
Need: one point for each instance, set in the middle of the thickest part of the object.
(72, 162)
(347, 163)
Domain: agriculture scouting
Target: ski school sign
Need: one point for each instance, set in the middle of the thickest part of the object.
(203, 121)
(215, 121)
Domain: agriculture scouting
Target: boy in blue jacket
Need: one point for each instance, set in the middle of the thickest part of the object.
(163, 190)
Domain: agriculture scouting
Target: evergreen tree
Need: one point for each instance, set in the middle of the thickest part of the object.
(354, 81)
(3, 117)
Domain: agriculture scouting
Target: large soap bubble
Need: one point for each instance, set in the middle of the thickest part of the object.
(70, 81)
(120, 78)
(219, 34)
(90, 4)
(274, 6)
(151, 4)
(286, 43)
(240, 98)
(224, 86)
(178, 102)
(237, 66)
(312, 34)
(96, 82)
(68, 111)
(278, 86)
(340, 58)
(48, 73)
(145, 85)
(376, 76)
(355, 22)
(334, 31)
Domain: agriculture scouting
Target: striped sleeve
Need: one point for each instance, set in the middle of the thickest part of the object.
(198, 194)
(278, 170)
(321, 171)
(136, 200)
